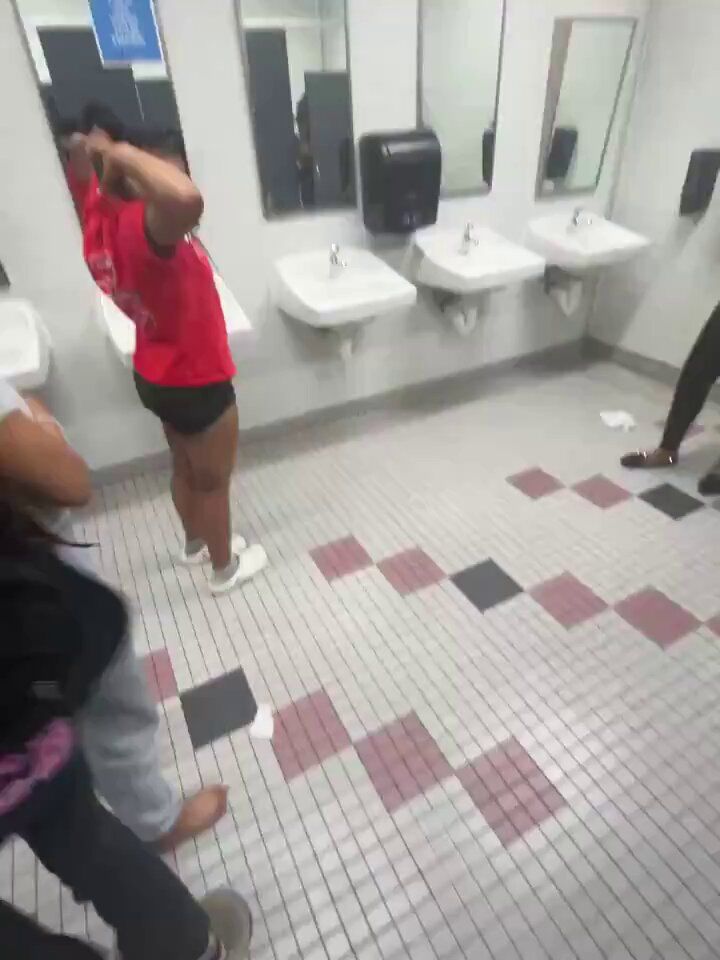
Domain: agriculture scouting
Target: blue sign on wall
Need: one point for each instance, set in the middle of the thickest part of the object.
(126, 30)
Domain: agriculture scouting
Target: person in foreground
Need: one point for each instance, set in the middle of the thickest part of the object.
(118, 723)
(61, 630)
(699, 373)
(138, 245)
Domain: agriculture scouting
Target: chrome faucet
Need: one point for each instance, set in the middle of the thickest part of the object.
(579, 218)
(337, 264)
(469, 239)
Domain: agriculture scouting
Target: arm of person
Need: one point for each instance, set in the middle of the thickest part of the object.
(78, 159)
(38, 465)
(173, 204)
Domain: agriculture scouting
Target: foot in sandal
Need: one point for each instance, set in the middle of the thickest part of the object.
(649, 459)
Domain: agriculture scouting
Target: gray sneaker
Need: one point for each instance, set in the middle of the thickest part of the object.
(230, 921)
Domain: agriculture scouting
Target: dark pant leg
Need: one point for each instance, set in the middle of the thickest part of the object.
(133, 890)
(23, 939)
(699, 373)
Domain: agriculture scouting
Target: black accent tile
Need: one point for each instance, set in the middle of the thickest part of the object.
(218, 707)
(671, 501)
(486, 584)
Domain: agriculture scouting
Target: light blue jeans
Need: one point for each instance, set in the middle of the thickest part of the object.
(118, 730)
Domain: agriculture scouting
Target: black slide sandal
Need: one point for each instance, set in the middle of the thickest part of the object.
(639, 461)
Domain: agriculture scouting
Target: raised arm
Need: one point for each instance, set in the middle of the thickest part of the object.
(174, 204)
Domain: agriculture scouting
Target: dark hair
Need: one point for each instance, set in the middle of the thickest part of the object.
(66, 126)
(167, 142)
(20, 532)
(96, 114)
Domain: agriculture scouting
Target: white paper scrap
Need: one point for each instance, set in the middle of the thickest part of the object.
(618, 420)
(263, 725)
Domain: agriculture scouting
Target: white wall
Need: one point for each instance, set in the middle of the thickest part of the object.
(655, 305)
(460, 52)
(285, 372)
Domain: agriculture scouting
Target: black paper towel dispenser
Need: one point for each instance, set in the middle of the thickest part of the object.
(488, 155)
(700, 180)
(561, 152)
(400, 176)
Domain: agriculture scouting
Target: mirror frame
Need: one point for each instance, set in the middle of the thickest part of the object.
(295, 214)
(484, 189)
(552, 98)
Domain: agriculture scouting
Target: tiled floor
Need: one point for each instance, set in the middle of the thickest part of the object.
(494, 658)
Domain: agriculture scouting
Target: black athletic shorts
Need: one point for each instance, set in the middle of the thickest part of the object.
(186, 409)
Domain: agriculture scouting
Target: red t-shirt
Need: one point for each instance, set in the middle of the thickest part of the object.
(181, 337)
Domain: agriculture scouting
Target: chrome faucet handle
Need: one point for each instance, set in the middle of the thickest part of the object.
(469, 239)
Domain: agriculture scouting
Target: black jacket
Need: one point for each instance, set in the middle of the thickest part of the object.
(59, 630)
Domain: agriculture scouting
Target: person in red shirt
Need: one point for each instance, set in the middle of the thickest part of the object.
(140, 250)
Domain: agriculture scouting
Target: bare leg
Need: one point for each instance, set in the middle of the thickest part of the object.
(210, 456)
(180, 485)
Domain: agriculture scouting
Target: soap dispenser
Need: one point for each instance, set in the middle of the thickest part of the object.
(400, 176)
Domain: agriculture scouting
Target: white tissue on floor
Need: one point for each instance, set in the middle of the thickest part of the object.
(618, 420)
(263, 725)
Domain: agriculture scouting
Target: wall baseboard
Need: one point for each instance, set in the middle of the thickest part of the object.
(444, 391)
(665, 373)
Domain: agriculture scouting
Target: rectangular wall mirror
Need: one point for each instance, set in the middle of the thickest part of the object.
(298, 82)
(72, 74)
(459, 55)
(588, 63)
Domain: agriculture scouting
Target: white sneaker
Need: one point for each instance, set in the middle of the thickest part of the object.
(201, 556)
(230, 921)
(251, 560)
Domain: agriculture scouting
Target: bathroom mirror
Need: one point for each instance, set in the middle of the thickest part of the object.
(588, 63)
(298, 82)
(72, 74)
(459, 53)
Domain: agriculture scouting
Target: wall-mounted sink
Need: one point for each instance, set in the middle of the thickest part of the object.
(331, 291)
(582, 241)
(477, 260)
(121, 330)
(24, 345)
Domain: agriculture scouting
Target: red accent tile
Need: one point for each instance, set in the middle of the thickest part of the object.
(568, 600)
(714, 624)
(535, 483)
(410, 570)
(307, 732)
(341, 557)
(657, 617)
(403, 761)
(602, 492)
(510, 790)
(160, 675)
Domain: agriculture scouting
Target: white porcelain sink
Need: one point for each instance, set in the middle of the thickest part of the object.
(488, 261)
(121, 330)
(24, 345)
(594, 242)
(309, 289)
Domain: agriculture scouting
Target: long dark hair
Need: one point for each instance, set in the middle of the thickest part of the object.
(21, 533)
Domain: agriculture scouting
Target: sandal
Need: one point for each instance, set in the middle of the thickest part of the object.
(639, 460)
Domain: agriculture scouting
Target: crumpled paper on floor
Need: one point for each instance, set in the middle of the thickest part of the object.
(618, 420)
(263, 725)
